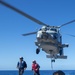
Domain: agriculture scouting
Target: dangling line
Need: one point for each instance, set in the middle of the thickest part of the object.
(51, 64)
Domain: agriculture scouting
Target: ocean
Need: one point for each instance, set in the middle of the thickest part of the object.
(29, 72)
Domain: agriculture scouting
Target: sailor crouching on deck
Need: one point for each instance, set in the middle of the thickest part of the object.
(21, 65)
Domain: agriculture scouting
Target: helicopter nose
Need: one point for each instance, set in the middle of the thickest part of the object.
(43, 32)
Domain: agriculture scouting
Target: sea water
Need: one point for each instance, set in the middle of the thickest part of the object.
(29, 72)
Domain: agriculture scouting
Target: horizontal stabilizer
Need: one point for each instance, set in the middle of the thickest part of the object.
(57, 57)
(62, 57)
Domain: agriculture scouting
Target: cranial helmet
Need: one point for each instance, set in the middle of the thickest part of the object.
(21, 57)
(34, 61)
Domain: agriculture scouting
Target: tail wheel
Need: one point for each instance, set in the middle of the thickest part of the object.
(53, 60)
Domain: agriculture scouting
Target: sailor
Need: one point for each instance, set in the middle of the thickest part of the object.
(59, 72)
(35, 68)
(21, 65)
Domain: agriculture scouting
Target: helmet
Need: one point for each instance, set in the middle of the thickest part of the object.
(21, 57)
(44, 28)
(34, 61)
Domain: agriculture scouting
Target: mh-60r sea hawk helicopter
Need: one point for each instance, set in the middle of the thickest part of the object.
(48, 37)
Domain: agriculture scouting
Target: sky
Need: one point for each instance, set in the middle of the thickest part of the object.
(12, 25)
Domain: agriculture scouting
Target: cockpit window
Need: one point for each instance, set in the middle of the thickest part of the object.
(54, 35)
(53, 29)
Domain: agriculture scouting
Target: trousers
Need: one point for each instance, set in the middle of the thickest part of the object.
(21, 71)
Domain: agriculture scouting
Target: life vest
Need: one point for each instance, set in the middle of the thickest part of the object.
(22, 65)
(35, 67)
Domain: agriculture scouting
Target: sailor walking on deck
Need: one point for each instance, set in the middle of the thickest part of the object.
(21, 65)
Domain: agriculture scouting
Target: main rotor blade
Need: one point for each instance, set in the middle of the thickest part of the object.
(71, 35)
(67, 23)
(29, 34)
(22, 13)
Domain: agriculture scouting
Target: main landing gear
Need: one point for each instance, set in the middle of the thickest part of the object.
(37, 51)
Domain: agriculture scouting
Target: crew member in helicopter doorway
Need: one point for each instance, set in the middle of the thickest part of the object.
(35, 68)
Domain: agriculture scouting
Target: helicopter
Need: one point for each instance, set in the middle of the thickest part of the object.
(48, 38)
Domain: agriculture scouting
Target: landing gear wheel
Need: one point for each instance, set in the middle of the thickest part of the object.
(37, 51)
(61, 52)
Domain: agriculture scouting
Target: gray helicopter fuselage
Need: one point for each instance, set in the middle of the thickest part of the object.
(48, 37)
(48, 40)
